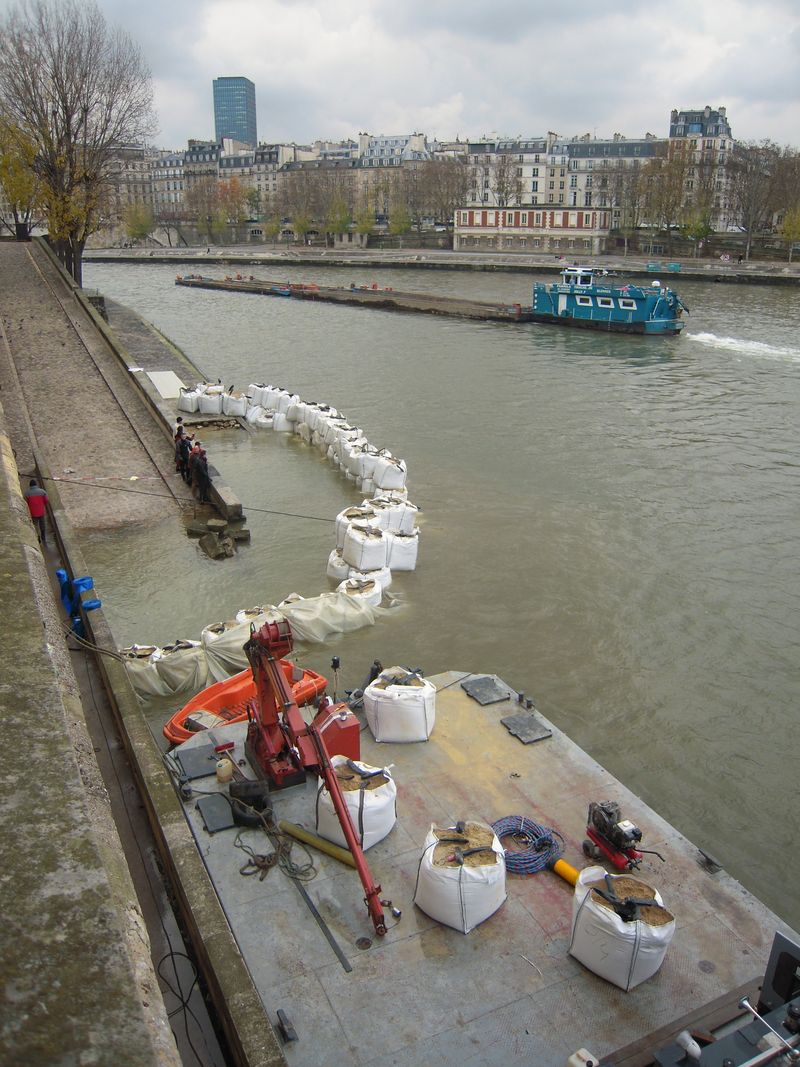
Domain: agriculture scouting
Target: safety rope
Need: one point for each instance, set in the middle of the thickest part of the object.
(539, 846)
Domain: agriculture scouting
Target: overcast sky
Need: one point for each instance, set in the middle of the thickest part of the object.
(331, 68)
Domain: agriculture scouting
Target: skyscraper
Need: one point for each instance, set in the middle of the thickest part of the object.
(235, 110)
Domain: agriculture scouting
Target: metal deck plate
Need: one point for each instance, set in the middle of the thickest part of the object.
(486, 689)
(526, 727)
(216, 812)
(196, 762)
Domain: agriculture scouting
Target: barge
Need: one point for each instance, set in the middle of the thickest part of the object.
(509, 991)
(372, 295)
(584, 299)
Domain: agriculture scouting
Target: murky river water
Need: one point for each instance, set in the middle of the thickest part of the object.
(610, 524)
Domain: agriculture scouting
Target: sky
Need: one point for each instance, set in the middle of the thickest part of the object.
(329, 69)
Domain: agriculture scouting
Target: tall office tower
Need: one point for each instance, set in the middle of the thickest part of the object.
(235, 110)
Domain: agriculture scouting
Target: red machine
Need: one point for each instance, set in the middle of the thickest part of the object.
(618, 839)
(282, 747)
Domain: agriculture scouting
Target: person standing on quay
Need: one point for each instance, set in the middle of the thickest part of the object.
(36, 499)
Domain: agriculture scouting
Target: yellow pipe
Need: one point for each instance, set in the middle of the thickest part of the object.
(566, 871)
(308, 837)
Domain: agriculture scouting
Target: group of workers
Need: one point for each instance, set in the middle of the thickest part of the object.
(191, 461)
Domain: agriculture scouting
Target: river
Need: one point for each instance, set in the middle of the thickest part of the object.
(609, 523)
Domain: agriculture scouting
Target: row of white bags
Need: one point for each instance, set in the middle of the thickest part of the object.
(189, 666)
(209, 399)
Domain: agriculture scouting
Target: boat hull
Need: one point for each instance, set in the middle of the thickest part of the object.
(651, 328)
(231, 698)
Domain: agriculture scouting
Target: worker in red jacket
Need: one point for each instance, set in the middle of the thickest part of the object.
(36, 499)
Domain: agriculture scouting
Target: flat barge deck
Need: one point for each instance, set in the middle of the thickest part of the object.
(364, 296)
(508, 992)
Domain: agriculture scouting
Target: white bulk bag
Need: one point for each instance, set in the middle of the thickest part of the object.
(264, 420)
(400, 706)
(256, 393)
(183, 667)
(224, 647)
(365, 548)
(460, 896)
(373, 812)
(317, 618)
(367, 458)
(188, 401)
(625, 953)
(281, 424)
(370, 591)
(254, 413)
(367, 486)
(389, 473)
(283, 400)
(383, 576)
(402, 551)
(303, 431)
(337, 569)
(268, 397)
(294, 412)
(234, 404)
(210, 403)
(399, 516)
(313, 412)
(257, 615)
(141, 663)
(363, 515)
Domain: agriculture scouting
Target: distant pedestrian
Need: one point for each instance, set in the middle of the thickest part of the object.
(184, 446)
(739, 260)
(201, 476)
(36, 499)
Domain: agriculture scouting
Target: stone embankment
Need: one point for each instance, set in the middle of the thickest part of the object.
(755, 272)
(79, 939)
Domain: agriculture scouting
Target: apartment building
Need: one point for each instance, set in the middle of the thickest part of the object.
(707, 140)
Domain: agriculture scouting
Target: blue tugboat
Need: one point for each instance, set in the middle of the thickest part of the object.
(582, 299)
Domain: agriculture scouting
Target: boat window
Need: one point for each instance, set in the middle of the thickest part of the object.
(629, 305)
(585, 279)
(605, 302)
(584, 301)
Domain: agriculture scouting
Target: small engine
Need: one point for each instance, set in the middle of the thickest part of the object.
(612, 837)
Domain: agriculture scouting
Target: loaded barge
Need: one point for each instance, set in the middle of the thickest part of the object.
(365, 296)
(444, 963)
(582, 298)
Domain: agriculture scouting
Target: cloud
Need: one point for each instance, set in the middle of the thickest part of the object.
(331, 68)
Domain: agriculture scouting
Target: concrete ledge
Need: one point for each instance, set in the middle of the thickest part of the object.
(75, 989)
(246, 1027)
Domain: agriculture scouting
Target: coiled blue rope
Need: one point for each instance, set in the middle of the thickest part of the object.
(541, 846)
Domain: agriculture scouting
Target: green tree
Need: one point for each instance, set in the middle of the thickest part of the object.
(364, 219)
(399, 221)
(338, 218)
(254, 205)
(78, 90)
(301, 224)
(790, 229)
(139, 221)
(696, 226)
(18, 180)
(272, 227)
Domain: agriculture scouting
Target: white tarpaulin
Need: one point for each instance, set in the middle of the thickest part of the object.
(315, 619)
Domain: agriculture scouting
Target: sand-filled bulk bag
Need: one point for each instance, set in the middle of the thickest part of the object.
(254, 413)
(234, 404)
(624, 943)
(141, 663)
(399, 516)
(383, 576)
(189, 400)
(370, 796)
(224, 647)
(183, 667)
(256, 614)
(461, 879)
(366, 486)
(283, 400)
(256, 393)
(368, 590)
(317, 618)
(303, 431)
(268, 397)
(338, 569)
(363, 515)
(400, 705)
(264, 420)
(294, 413)
(389, 473)
(365, 548)
(281, 424)
(210, 403)
(402, 550)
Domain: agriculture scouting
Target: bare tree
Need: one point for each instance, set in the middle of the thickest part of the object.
(448, 182)
(80, 91)
(753, 170)
(666, 176)
(506, 182)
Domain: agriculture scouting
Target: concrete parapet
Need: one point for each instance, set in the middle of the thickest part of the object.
(79, 982)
